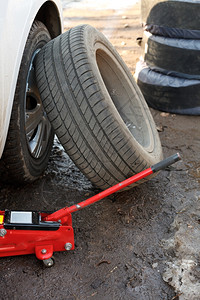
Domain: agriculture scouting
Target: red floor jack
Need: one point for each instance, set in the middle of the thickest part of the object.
(42, 233)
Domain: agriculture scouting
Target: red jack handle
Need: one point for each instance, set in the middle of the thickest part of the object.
(58, 215)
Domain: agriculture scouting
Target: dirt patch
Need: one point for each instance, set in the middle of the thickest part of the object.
(124, 243)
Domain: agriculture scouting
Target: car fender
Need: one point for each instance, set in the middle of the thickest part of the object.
(16, 19)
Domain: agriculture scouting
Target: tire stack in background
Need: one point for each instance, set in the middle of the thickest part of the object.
(168, 72)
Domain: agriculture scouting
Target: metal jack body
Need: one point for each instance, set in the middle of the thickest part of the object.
(39, 233)
(27, 238)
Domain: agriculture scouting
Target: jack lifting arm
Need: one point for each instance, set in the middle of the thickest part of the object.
(58, 215)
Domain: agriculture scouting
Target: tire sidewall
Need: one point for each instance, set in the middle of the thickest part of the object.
(93, 41)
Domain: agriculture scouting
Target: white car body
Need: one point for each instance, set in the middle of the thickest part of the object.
(16, 19)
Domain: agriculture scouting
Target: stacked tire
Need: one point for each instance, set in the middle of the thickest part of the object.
(168, 72)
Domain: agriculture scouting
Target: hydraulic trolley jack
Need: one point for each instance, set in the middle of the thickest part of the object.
(42, 233)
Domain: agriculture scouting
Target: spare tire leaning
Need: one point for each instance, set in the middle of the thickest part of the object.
(95, 107)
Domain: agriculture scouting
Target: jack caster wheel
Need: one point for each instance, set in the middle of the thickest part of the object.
(48, 263)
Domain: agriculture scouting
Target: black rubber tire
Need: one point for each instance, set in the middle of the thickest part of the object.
(168, 93)
(175, 14)
(173, 32)
(89, 94)
(177, 55)
(21, 164)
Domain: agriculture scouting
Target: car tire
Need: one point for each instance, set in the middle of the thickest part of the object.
(168, 93)
(174, 55)
(171, 32)
(30, 134)
(95, 107)
(171, 14)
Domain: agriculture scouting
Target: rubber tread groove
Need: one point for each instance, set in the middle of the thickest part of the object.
(68, 107)
(88, 105)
